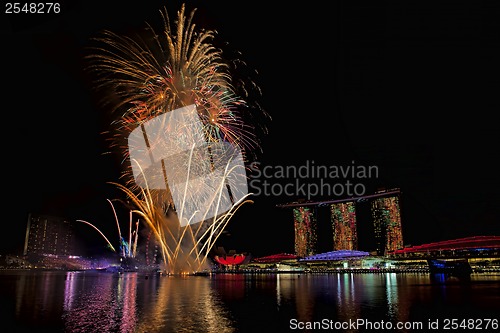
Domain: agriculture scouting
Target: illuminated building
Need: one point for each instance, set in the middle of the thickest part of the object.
(48, 235)
(387, 224)
(347, 231)
(231, 260)
(305, 231)
(336, 255)
(343, 216)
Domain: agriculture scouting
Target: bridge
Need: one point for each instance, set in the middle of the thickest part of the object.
(468, 247)
(451, 256)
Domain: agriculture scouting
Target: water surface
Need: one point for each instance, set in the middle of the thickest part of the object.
(58, 301)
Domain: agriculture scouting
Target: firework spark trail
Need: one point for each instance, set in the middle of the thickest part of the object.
(220, 223)
(116, 220)
(146, 77)
(169, 243)
(183, 252)
(93, 226)
(130, 234)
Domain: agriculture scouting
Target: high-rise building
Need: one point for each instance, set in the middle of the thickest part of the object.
(343, 216)
(305, 231)
(387, 224)
(48, 235)
(349, 218)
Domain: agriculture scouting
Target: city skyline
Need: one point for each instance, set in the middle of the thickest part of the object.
(391, 86)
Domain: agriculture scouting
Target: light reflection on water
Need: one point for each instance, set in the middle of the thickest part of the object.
(132, 302)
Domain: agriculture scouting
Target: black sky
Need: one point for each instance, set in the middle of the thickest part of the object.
(410, 87)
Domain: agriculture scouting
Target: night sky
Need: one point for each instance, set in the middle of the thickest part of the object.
(409, 87)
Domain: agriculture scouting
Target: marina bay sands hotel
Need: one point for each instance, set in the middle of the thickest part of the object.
(385, 222)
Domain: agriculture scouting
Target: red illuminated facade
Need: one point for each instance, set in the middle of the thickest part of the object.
(230, 260)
